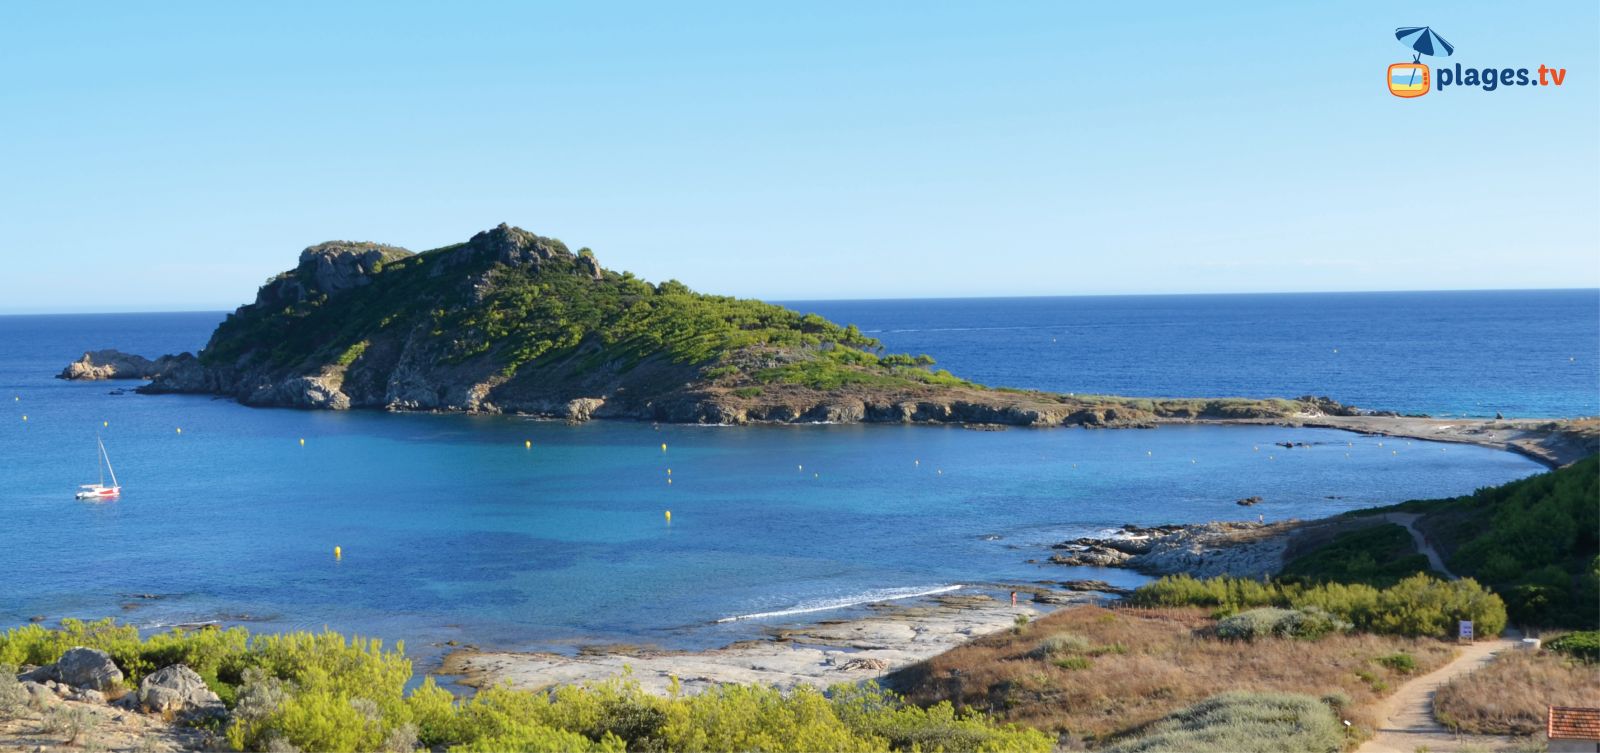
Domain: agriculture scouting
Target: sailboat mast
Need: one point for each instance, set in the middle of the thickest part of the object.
(107, 456)
(97, 465)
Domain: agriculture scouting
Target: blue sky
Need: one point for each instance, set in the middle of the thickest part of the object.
(170, 156)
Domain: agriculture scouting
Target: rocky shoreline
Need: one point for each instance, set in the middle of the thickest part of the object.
(1553, 443)
(973, 407)
(819, 653)
(1204, 550)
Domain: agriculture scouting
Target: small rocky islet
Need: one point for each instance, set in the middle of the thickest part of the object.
(513, 322)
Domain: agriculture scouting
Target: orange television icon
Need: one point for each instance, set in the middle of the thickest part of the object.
(1408, 79)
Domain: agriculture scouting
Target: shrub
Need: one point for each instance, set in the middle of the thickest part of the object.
(875, 713)
(13, 698)
(1306, 622)
(1584, 646)
(1072, 662)
(1261, 622)
(1417, 606)
(1400, 661)
(1059, 644)
(1420, 605)
(1243, 723)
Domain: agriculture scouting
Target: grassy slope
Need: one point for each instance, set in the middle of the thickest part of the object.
(1123, 669)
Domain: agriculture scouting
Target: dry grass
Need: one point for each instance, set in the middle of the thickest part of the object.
(1509, 696)
(1147, 663)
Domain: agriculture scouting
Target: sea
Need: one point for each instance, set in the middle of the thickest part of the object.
(507, 532)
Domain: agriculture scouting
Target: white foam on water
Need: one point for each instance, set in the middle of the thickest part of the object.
(870, 597)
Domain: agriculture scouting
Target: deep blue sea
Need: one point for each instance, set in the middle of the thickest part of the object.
(452, 529)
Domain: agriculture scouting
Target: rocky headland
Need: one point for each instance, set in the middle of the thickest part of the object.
(514, 322)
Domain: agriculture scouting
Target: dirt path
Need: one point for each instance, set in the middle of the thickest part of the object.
(1406, 520)
(1408, 724)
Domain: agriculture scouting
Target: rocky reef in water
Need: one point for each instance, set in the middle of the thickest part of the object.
(514, 322)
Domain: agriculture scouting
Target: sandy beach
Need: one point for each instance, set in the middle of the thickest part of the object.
(819, 653)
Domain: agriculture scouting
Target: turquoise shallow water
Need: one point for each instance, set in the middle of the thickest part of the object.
(452, 529)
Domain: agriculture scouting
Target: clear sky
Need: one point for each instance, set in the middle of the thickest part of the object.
(165, 156)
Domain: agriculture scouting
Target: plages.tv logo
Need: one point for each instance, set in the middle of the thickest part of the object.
(1414, 79)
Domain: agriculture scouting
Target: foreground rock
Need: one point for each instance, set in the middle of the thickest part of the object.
(818, 654)
(79, 667)
(1247, 550)
(177, 690)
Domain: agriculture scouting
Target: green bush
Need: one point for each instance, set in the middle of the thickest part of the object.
(1308, 622)
(1400, 661)
(1242, 723)
(1060, 644)
(1584, 645)
(1418, 605)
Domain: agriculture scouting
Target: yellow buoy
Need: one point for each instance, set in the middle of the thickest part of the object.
(669, 482)
(669, 516)
(105, 423)
(669, 471)
(302, 441)
(527, 444)
(338, 553)
(663, 446)
(180, 429)
(24, 416)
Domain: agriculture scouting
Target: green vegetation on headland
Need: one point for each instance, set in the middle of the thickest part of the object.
(513, 321)
(1536, 542)
(1379, 555)
(304, 691)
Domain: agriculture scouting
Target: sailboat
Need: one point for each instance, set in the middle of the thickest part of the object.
(100, 490)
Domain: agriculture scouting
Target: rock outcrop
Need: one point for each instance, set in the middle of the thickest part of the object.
(179, 691)
(1246, 550)
(114, 364)
(80, 667)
